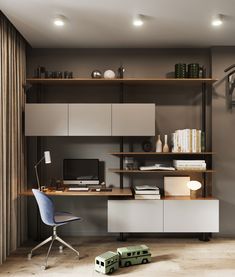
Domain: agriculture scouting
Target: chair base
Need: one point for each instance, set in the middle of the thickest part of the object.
(52, 239)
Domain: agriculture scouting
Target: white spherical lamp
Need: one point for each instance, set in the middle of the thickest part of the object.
(194, 186)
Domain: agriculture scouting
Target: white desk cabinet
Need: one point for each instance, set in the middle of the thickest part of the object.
(133, 119)
(135, 216)
(191, 216)
(89, 119)
(46, 119)
(184, 216)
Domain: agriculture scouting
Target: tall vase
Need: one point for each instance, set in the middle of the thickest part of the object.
(165, 147)
(159, 144)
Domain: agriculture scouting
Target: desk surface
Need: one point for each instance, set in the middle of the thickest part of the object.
(126, 192)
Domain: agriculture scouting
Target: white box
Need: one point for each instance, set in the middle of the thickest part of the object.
(176, 185)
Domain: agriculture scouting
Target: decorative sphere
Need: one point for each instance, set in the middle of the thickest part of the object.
(109, 74)
(96, 74)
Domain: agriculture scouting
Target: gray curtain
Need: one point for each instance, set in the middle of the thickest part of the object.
(12, 148)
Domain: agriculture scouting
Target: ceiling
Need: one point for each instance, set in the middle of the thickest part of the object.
(108, 23)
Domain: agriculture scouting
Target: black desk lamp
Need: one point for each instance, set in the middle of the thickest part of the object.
(47, 158)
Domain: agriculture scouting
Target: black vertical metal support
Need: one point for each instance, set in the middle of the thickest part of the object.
(204, 130)
(38, 157)
(121, 138)
(121, 236)
(121, 163)
(204, 236)
(204, 118)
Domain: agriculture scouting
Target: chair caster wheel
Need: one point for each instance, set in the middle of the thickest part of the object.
(29, 256)
(61, 249)
(43, 267)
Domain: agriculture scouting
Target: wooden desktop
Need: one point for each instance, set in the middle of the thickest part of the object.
(117, 192)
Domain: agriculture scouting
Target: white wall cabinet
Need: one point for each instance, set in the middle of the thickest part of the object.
(89, 119)
(163, 216)
(135, 216)
(46, 119)
(191, 216)
(133, 119)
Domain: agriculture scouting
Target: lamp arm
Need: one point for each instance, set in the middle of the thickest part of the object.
(36, 171)
(39, 161)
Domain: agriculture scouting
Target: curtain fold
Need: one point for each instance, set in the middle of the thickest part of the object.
(12, 142)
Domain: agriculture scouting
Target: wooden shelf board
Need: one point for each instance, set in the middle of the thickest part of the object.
(116, 170)
(130, 81)
(157, 154)
(187, 198)
(126, 192)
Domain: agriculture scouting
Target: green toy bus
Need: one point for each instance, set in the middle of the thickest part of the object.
(109, 261)
(134, 255)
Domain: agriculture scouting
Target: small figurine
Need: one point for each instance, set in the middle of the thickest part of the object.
(121, 71)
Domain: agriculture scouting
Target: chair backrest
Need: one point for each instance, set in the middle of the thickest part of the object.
(46, 207)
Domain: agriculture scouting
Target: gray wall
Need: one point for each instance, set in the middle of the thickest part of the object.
(223, 141)
(176, 107)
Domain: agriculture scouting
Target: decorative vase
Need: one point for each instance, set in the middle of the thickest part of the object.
(96, 74)
(159, 144)
(165, 147)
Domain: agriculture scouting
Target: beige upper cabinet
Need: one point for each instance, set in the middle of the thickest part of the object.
(133, 119)
(89, 119)
(46, 119)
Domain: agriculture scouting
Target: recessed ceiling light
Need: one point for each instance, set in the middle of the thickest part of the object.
(59, 20)
(138, 20)
(217, 20)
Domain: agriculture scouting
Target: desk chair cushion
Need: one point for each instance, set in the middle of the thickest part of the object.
(64, 217)
(47, 212)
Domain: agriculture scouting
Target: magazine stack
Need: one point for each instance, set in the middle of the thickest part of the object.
(148, 192)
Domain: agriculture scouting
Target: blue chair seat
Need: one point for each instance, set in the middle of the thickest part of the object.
(64, 217)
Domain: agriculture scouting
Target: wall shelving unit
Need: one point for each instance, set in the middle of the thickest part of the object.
(205, 84)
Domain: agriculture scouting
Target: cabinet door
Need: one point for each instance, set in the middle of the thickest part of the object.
(191, 216)
(135, 216)
(90, 119)
(133, 119)
(46, 119)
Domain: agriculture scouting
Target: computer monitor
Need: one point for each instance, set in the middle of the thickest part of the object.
(81, 171)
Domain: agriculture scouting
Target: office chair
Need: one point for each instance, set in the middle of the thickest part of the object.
(51, 218)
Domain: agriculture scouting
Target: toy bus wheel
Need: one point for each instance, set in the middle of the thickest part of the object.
(111, 270)
(144, 261)
(127, 264)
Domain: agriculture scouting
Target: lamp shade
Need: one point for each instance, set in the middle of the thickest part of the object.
(47, 156)
(194, 185)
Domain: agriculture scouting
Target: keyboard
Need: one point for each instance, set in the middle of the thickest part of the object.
(77, 189)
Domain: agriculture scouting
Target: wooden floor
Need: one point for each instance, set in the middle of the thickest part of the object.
(170, 257)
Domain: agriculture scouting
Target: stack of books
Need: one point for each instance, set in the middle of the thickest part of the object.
(147, 192)
(189, 164)
(156, 167)
(187, 140)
